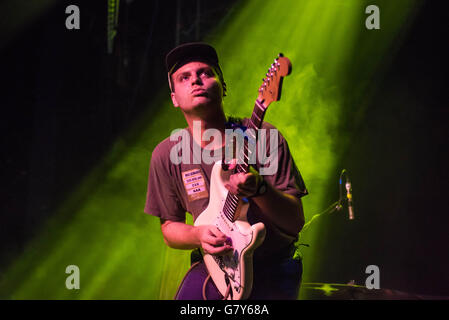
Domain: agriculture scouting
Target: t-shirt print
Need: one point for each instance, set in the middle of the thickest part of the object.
(194, 184)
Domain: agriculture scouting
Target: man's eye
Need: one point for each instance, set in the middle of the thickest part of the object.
(184, 78)
(207, 73)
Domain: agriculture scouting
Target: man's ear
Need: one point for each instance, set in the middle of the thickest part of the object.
(173, 99)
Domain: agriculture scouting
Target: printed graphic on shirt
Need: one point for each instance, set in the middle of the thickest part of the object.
(194, 184)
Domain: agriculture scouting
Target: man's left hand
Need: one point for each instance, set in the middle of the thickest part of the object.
(244, 184)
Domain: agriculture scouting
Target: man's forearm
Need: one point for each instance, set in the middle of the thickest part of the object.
(282, 209)
(179, 235)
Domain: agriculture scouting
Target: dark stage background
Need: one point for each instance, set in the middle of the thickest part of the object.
(65, 101)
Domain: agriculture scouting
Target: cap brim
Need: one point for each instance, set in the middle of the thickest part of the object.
(188, 52)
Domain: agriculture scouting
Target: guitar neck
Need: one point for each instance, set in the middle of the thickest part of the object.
(269, 91)
(255, 123)
(257, 115)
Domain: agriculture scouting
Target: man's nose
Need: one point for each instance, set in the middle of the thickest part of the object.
(196, 79)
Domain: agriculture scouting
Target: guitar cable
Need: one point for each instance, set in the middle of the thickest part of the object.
(228, 290)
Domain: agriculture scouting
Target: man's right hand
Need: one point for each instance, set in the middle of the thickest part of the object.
(213, 241)
(179, 235)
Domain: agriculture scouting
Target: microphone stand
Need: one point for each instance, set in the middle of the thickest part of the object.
(336, 206)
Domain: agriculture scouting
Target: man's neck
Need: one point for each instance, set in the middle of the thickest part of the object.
(199, 124)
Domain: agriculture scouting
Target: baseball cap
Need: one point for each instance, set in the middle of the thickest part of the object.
(187, 52)
(192, 51)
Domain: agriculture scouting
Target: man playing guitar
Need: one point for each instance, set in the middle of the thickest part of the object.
(197, 89)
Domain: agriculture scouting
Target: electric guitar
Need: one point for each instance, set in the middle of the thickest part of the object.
(233, 273)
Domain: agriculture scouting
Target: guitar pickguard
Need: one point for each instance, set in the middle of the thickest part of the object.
(230, 263)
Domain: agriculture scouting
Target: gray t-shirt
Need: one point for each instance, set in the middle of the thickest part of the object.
(174, 189)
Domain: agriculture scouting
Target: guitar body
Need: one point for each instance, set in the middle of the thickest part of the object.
(233, 269)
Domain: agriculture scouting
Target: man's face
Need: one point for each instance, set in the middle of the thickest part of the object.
(196, 88)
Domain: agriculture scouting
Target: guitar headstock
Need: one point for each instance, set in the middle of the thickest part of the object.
(270, 90)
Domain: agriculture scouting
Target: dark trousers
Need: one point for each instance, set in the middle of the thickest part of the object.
(273, 280)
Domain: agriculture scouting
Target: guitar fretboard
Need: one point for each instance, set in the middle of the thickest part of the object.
(255, 123)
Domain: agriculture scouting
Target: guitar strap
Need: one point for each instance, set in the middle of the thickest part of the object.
(196, 285)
